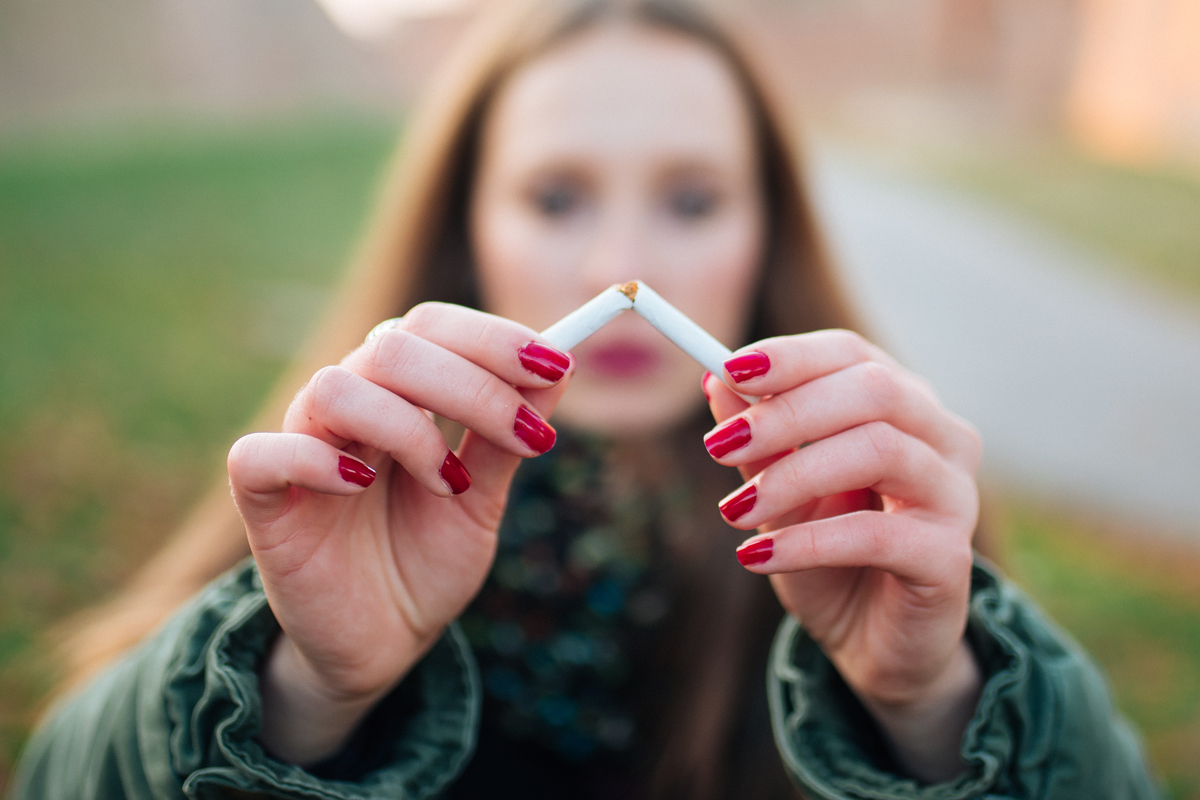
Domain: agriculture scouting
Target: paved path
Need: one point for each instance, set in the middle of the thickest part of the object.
(1085, 387)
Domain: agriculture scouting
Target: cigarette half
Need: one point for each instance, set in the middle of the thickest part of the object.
(589, 318)
(676, 326)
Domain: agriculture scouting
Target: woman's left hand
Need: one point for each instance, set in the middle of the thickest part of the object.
(862, 488)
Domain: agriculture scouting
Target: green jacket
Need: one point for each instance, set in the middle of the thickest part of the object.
(178, 717)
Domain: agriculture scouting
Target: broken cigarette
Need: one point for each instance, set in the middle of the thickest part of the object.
(588, 318)
(640, 298)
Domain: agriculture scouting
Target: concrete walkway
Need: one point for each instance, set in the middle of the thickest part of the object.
(1086, 387)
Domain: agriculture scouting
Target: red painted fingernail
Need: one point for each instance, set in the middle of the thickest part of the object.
(533, 430)
(728, 437)
(545, 362)
(755, 552)
(739, 503)
(748, 365)
(455, 474)
(704, 386)
(354, 471)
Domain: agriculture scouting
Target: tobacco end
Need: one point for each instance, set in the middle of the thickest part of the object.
(629, 289)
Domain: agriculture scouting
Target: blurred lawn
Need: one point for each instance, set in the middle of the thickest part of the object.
(152, 287)
(1134, 604)
(1147, 220)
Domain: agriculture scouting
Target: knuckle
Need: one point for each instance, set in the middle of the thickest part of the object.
(883, 441)
(851, 342)
(973, 443)
(786, 474)
(481, 391)
(328, 386)
(389, 352)
(877, 535)
(881, 383)
(787, 410)
(958, 559)
(415, 429)
(421, 317)
(964, 443)
(491, 328)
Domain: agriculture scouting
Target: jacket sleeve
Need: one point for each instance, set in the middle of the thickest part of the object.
(179, 717)
(1044, 728)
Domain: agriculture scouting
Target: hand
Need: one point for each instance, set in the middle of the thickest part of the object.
(367, 537)
(866, 530)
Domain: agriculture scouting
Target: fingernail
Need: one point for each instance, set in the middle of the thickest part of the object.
(354, 471)
(545, 362)
(739, 503)
(704, 386)
(533, 430)
(756, 552)
(747, 366)
(728, 437)
(455, 474)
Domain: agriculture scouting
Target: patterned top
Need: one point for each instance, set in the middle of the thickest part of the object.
(572, 611)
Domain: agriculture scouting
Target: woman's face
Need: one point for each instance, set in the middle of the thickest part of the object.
(625, 153)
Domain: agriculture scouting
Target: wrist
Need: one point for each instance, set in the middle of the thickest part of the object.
(304, 720)
(925, 727)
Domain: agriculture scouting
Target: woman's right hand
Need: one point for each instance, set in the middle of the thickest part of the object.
(358, 514)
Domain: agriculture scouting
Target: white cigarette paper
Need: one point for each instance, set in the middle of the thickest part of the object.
(676, 326)
(640, 298)
(588, 318)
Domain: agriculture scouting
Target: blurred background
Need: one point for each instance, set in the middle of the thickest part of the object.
(1013, 187)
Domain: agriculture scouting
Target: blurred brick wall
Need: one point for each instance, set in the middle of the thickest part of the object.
(928, 68)
(74, 61)
(1122, 75)
(1136, 96)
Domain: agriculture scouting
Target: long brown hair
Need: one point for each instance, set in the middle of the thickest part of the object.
(419, 250)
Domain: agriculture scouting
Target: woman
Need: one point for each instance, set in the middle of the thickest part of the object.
(577, 145)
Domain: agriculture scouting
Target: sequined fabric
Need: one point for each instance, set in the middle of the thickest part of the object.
(570, 618)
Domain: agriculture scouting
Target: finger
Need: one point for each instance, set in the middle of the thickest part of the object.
(264, 467)
(514, 353)
(492, 467)
(434, 378)
(724, 403)
(339, 407)
(865, 392)
(891, 542)
(784, 362)
(905, 471)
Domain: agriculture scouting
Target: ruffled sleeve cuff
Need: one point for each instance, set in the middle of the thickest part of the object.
(199, 711)
(1044, 726)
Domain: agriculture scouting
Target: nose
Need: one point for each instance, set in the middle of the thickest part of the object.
(619, 249)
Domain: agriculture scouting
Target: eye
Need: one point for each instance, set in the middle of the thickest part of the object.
(693, 202)
(556, 200)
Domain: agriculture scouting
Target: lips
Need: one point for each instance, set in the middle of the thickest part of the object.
(623, 360)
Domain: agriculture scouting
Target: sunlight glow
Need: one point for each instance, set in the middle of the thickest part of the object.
(371, 19)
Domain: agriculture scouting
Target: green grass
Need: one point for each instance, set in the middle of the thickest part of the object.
(1135, 606)
(1147, 220)
(151, 288)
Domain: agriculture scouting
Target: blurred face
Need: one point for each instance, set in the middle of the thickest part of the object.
(625, 153)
